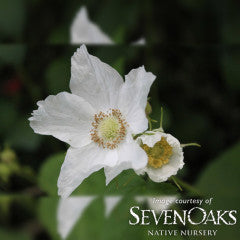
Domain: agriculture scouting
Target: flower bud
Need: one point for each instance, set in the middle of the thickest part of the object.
(148, 109)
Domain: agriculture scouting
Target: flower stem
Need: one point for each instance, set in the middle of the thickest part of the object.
(175, 181)
(186, 186)
(150, 123)
(161, 119)
(190, 144)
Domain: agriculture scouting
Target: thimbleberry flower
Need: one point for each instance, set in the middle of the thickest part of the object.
(97, 120)
(165, 155)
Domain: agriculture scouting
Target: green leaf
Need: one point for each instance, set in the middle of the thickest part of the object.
(130, 184)
(221, 180)
(21, 136)
(47, 214)
(94, 184)
(12, 18)
(230, 68)
(91, 223)
(117, 224)
(60, 35)
(119, 35)
(49, 173)
(13, 235)
(9, 116)
(58, 75)
(12, 54)
(119, 65)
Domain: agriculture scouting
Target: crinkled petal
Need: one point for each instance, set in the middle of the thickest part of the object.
(130, 155)
(64, 116)
(79, 163)
(133, 98)
(69, 211)
(85, 31)
(94, 80)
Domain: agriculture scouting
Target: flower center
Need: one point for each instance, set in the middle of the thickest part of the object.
(159, 154)
(109, 129)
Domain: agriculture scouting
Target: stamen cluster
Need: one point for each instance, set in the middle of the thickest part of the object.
(109, 129)
(159, 154)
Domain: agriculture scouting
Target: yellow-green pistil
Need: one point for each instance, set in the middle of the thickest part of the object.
(159, 154)
(109, 129)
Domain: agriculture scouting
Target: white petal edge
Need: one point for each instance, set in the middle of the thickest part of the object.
(64, 116)
(83, 30)
(93, 80)
(69, 211)
(110, 203)
(80, 163)
(130, 155)
(133, 98)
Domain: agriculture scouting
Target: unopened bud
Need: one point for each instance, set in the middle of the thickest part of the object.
(148, 109)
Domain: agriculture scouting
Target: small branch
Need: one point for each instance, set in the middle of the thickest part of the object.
(190, 144)
(150, 123)
(161, 119)
(186, 186)
(175, 181)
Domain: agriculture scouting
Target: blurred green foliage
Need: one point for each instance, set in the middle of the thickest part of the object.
(12, 19)
(57, 76)
(220, 181)
(7, 235)
(192, 48)
(182, 21)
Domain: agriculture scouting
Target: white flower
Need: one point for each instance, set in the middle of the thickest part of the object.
(85, 31)
(165, 155)
(69, 211)
(97, 120)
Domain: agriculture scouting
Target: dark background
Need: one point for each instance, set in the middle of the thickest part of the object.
(191, 46)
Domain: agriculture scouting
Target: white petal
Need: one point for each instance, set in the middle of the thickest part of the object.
(130, 155)
(133, 98)
(110, 203)
(69, 211)
(175, 162)
(85, 31)
(64, 116)
(94, 80)
(79, 163)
